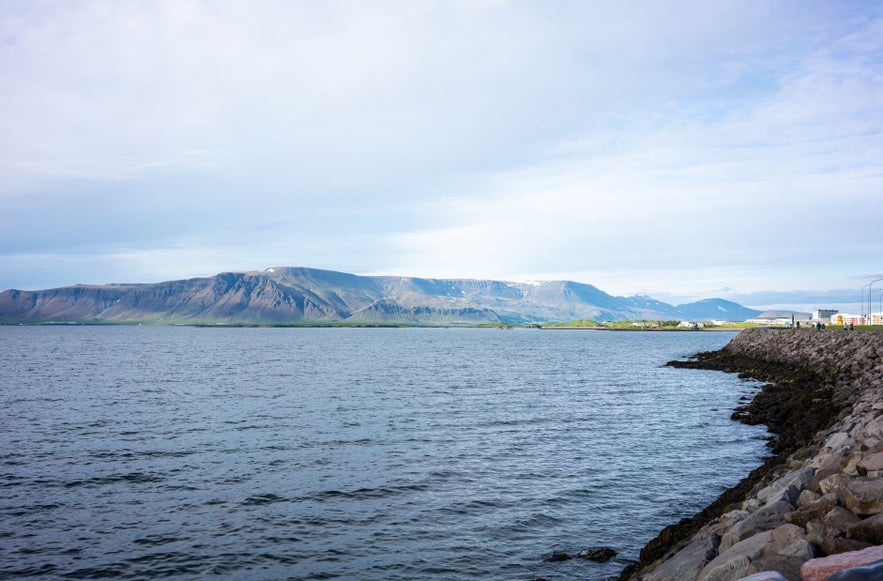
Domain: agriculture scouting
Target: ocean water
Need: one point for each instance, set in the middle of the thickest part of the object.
(287, 453)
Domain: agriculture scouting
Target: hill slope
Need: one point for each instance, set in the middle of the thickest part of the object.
(286, 295)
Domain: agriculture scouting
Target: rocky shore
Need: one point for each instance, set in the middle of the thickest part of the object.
(814, 509)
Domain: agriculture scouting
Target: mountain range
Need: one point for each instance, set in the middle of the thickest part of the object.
(294, 295)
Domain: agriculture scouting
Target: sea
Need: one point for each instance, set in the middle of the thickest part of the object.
(149, 452)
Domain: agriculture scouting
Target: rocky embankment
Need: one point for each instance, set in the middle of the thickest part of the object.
(814, 510)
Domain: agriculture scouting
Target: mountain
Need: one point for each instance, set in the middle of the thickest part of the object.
(286, 295)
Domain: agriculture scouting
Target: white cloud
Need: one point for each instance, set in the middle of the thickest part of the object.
(680, 146)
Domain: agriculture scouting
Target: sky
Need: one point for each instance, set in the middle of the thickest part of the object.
(682, 149)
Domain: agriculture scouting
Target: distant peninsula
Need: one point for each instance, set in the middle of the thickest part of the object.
(308, 296)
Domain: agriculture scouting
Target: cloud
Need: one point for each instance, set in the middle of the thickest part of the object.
(681, 147)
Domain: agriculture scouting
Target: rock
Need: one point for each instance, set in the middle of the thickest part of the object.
(598, 555)
(836, 483)
(734, 516)
(728, 571)
(800, 548)
(838, 545)
(733, 563)
(821, 569)
(685, 564)
(807, 497)
(874, 428)
(838, 521)
(785, 551)
(764, 519)
(870, 572)
(869, 530)
(787, 487)
(557, 557)
(751, 505)
(828, 465)
(814, 510)
(871, 462)
(864, 496)
(765, 576)
(837, 441)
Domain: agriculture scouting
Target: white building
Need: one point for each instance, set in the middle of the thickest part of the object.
(824, 315)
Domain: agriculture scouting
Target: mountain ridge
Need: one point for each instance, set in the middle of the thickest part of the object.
(301, 295)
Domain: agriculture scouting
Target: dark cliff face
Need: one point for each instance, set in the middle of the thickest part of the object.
(285, 295)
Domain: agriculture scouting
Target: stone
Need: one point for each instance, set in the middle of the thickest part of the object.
(787, 487)
(733, 563)
(813, 511)
(871, 462)
(557, 557)
(869, 530)
(751, 505)
(837, 545)
(828, 465)
(821, 569)
(800, 548)
(838, 521)
(765, 576)
(783, 535)
(807, 497)
(685, 564)
(729, 571)
(874, 428)
(734, 516)
(835, 483)
(838, 440)
(598, 554)
(764, 519)
(864, 496)
(870, 572)
(785, 551)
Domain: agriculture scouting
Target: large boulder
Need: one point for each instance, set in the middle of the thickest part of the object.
(787, 487)
(734, 562)
(764, 519)
(765, 576)
(812, 510)
(863, 496)
(869, 530)
(685, 564)
(821, 569)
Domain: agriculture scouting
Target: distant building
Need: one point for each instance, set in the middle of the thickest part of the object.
(824, 315)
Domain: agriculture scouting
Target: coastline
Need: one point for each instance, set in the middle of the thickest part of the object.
(818, 385)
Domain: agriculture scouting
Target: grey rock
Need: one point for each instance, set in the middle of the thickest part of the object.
(685, 564)
(813, 510)
(807, 497)
(765, 576)
(729, 571)
(764, 519)
(838, 521)
(869, 530)
(734, 562)
(787, 487)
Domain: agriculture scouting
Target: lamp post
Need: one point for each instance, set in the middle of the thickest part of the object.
(870, 286)
(879, 292)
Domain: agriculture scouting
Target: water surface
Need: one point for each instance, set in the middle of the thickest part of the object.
(142, 452)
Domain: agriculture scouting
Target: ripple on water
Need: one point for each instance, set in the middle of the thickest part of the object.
(352, 453)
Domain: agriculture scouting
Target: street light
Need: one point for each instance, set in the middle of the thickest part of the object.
(879, 291)
(870, 286)
(870, 289)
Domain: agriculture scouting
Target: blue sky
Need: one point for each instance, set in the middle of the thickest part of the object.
(682, 149)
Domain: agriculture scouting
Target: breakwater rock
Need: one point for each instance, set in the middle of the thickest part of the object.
(815, 507)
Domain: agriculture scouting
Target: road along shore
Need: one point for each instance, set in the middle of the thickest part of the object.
(816, 504)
